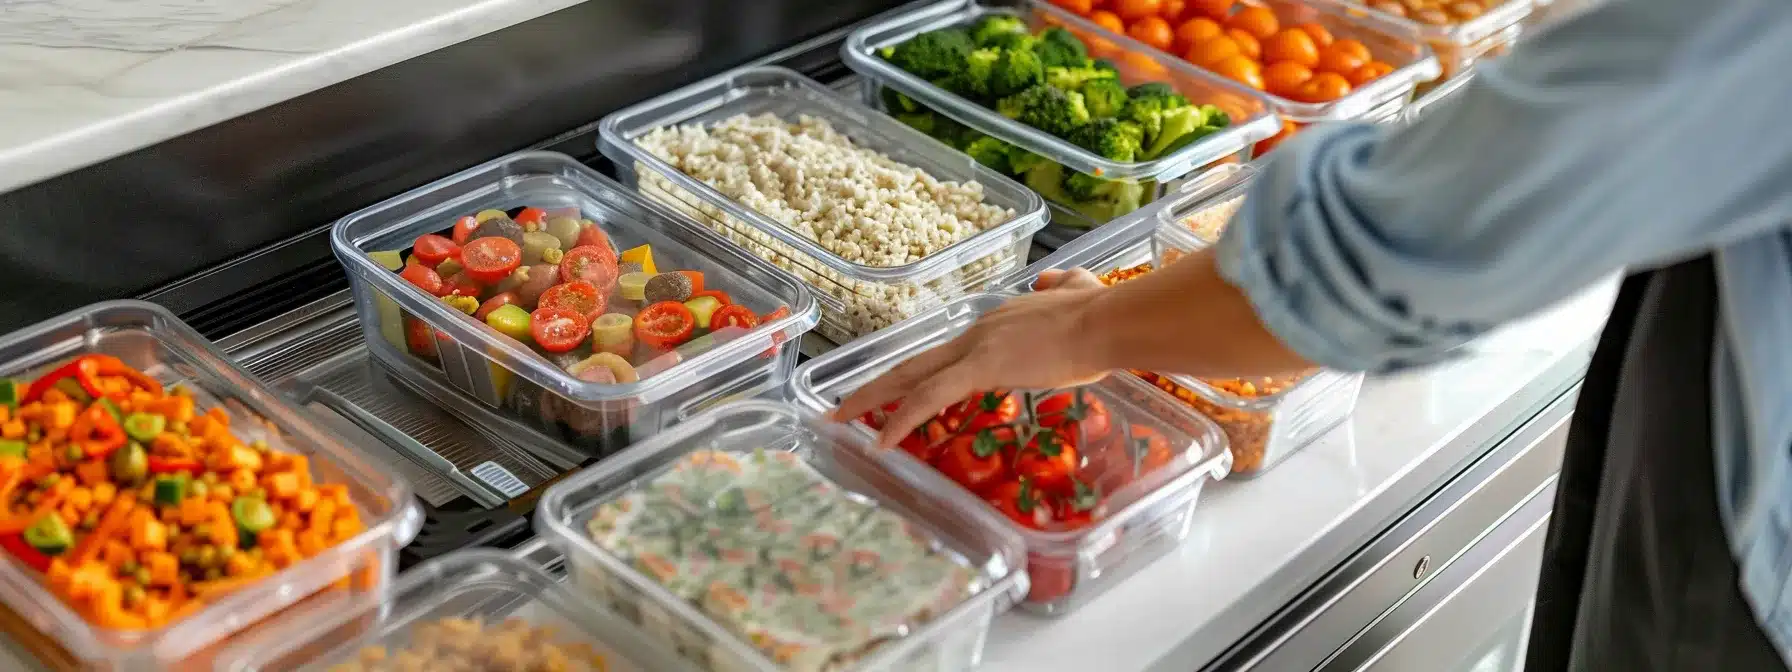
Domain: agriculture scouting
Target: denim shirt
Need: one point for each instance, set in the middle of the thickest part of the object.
(1638, 134)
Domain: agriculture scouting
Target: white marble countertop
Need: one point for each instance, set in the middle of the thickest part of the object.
(82, 81)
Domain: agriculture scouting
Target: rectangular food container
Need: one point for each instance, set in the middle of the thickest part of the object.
(1252, 117)
(1437, 94)
(793, 440)
(1457, 45)
(855, 298)
(495, 371)
(1148, 509)
(483, 586)
(150, 339)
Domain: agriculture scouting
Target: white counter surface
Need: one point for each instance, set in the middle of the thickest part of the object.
(82, 81)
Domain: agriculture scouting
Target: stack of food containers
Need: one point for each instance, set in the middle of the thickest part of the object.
(1097, 480)
(1460, 32)
(164, 501)
(1264, 421)
(475, 609)
(758, 536)
(882, 221)
(656, 281)
(1248, 117)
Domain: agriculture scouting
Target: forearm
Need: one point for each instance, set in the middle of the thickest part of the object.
(1184, 318)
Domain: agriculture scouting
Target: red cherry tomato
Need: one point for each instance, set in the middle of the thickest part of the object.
(1078, 414)
(664, 325)
(1021, 503)
(777, 338)
(1150, 450)
(494, 303)
(577, 296)
(592, 264)
(589, 234)
(926, 443)
(733, 315)
(985, 410)
(1048, 460)
(976, 460)
(460, 284)
(1078, 508)
(419, 338)
(424, 278)
(463, 229)
(491, 259)
(558, 329)
(432, 249)
(531, 218)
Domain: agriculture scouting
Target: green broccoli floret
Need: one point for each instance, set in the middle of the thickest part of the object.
(974, 80)
(1102, 199)
(1216, 117)
(896, 103)
(1020, 161)
(923, 121)
(996, 26)
(991, 152)
(1178, 127)
(1015, 71)
(1047, 108)
(1146, 105)
(1158, 90)
(1073, 79)
(1104, 97)
(1013, 41)
(933, 54)
(1105, 64)
(1113, 139)
(1059, 48)
(1047, 178)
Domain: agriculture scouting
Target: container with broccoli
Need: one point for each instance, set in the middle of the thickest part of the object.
(1098, 138)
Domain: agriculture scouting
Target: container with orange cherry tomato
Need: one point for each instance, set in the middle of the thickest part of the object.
(1098, 479)
(1460, 32)
(535, 297)
(1316, 63)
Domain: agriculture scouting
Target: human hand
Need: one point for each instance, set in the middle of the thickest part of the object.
(1034, 341)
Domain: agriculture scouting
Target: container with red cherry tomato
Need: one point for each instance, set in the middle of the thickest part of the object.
(1098, 479)
(563, 304)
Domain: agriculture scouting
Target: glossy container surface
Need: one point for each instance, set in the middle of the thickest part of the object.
(498, 372)
(1437, 95)
(151, 339)
(487, 587)
(1457, 45)
(856, 298)
(1149, 504)
(960, 527)
(1252, 119)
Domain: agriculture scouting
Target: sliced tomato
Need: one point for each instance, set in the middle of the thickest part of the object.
(432, 249)
(419, 338)
(984, 410)
(777, 338)
(1020, 501)
(558, 329)
(461, 284)
(491, 259)
(779, 314)
(1050, 578)
(733, 315)
(502, 299)
(577, 296)
(1078, 414)
(424, 278)
(592, 264)
(590, 235)
(531, 218)
(463, 229)
(664, 325)
(1048, 460)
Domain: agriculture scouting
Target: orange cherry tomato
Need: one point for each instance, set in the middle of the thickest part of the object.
(1370, 72)
(1217, 10)
(1258, 21)
(1341, 61)
(1325, 87)
(1133, 10)
(1321, 36)
(1174, 10)
(1291, 46)
(1263, 146)
(1210, 53)
(1195, 31)
(1247, 43)
(1354, 47)
(1143, 67)
(1241, 69)
(1078, 7)
(1108, 20)
(1285, 78)
(1152, 30)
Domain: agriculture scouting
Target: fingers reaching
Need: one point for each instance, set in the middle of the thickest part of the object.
(1075, 278)
(945, 388)
(898, 382)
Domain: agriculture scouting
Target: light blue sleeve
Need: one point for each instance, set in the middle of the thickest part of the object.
(1637, 134)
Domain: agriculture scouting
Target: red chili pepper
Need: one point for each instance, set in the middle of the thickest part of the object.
(112, 366)
(97, 432)
(15, 544)
(172, 465)
(83, 369)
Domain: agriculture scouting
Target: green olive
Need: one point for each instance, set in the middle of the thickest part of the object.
(130, 464)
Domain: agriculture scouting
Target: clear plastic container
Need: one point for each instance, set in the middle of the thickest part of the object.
(499, 372)
(1150, 498)
(1437, 94)
(1458, 45)
(446, 598)
(776, 462)
(856, 298)
(1265, 420)
(151, 339)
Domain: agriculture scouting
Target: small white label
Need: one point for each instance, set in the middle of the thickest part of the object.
(495, 475)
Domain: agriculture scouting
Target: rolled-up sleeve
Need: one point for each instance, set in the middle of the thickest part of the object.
(1637, 134)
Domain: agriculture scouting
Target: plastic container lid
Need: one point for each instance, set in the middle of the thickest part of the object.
(549, 180)
(1252, 118)
(1147, 498)
(798, 452)
(445, 598)
(1460, 34)
(149, 338)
